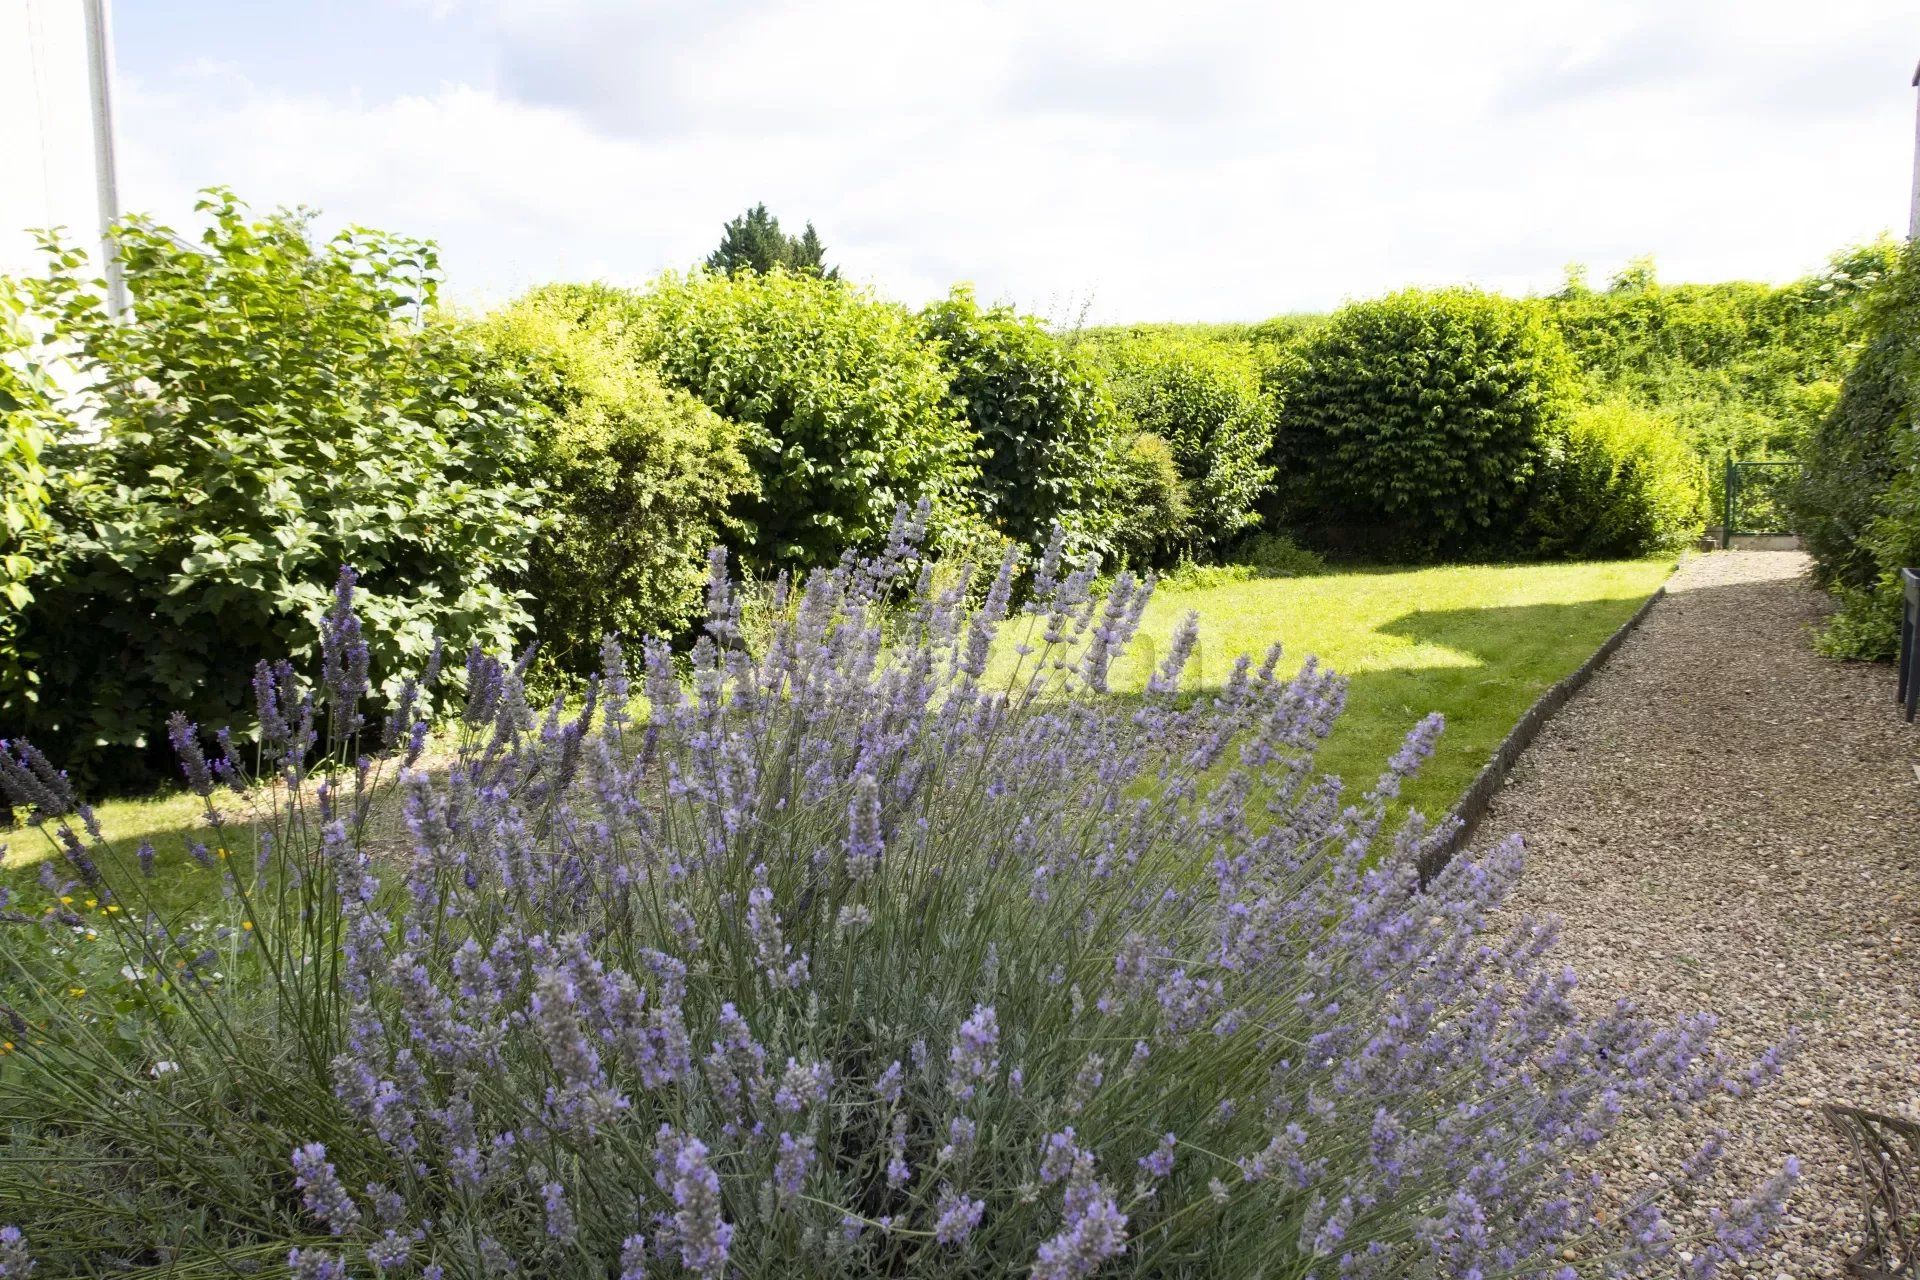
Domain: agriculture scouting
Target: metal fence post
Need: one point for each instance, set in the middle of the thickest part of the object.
(1909, 691)
(1726, 521)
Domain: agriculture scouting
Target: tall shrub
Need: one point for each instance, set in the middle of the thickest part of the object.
(1420, 420)
(273, 408)
(1620, 483)
(1858, 503)
(1050, 434)
(28, 424)
(637, 477)
(1157, 506)
(848, 412)
(856, 962)
(1207, 402)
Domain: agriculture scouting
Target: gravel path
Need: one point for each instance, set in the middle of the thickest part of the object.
(1725, 820)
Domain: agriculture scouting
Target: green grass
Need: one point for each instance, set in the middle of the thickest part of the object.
(1476, 642)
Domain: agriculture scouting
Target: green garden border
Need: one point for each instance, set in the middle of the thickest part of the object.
(1471, 808)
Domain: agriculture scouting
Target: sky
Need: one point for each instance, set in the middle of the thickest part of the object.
(1128, 162)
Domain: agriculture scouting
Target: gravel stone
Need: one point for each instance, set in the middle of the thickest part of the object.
(1725, 820)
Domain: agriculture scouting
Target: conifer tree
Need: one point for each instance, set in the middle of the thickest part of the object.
(754, 242)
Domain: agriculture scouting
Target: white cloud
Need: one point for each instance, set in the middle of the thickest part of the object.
(1208, 161)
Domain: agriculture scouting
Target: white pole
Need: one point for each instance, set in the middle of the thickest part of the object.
(106, 182)
(1913, 215)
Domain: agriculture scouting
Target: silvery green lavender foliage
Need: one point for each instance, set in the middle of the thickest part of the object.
(898, 947)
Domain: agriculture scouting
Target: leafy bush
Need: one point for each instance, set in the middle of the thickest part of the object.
(848, 413)
(1858, 502)
(638, 478)
(1262, 555)
(888, 973)
(1622, 483)
(1276, 555)
(1051, 435)
(1421, 419)
(1156, 511)
(1206, 401)
(28, 424)
(272, 409)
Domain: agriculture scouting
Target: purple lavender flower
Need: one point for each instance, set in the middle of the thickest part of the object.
(633, 1258)
(972, 1057)
(560, 1223)
(769, 943)
(321, 1190)
(1158, 1163)
(791, 1165)
(1094, 1230)
(683, 1172)
(832, 828)
(864, 844)
(1060, 1157)
(890, 1084)
(15, 1262)
(955, 1216)
(962, 1134)
(803, 1085)
(343, 655)
(391, 1252)
(315, 1264)
(30, 782)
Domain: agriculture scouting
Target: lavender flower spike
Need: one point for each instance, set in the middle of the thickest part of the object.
(322, 1191)
(15, 1262)
(683, 1172)
(972, 1057)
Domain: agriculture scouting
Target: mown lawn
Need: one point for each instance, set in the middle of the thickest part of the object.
(1476, 642)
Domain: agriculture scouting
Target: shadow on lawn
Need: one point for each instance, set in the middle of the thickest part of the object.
(1504, 630)
(1513, 652)
(1512, 655)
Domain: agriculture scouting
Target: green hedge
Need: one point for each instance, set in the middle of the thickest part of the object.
(1740, 368)
(273, 409)
(1419, 421)
(1206, 400)
(1858, 504)
(1052, 437)
(638, 478)
(848, 413)
(1621, 483)
(28, 424)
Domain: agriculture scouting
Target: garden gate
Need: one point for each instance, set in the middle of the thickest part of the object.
(1756, 499)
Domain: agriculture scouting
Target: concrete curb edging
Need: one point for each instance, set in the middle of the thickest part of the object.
(1473, 803)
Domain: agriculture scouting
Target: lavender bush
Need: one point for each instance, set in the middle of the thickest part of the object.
(893, 946)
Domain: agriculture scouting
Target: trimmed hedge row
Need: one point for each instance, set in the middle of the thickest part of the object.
(278, 407)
